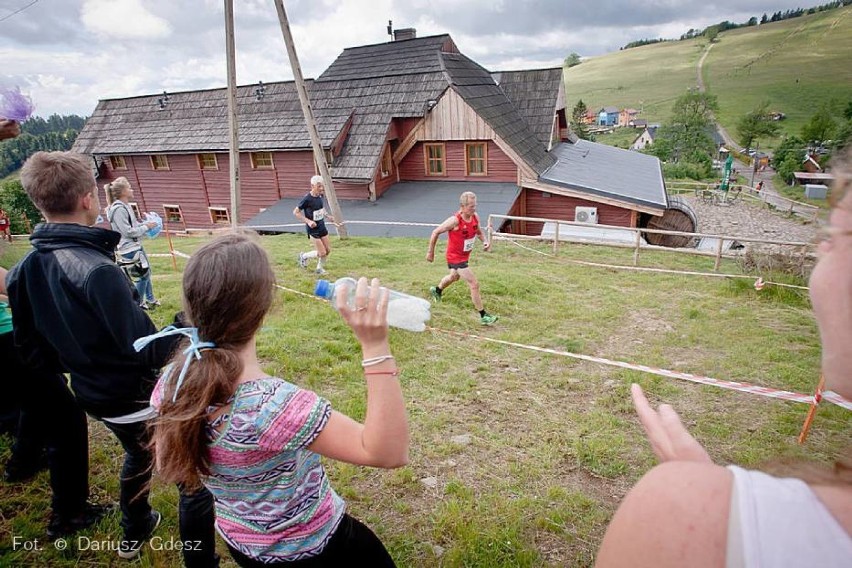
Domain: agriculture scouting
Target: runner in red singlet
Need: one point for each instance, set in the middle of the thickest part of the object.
(463, 229)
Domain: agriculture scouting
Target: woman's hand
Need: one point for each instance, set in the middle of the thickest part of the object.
(369, 317)
(9, 129)
(669, 439)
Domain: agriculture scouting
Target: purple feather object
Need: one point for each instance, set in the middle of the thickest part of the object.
(14, 105)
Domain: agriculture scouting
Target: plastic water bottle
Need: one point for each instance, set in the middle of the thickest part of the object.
(404, 311)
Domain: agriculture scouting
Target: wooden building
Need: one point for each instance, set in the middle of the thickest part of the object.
(414, 110)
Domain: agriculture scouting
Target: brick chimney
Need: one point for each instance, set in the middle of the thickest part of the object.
(404, 33)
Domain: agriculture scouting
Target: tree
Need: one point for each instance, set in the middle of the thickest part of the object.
(757, 124)
(752, 21)
(820, 127)
(17, 204)
(788, 157)
(694, 109)
(687, 137)
(572, 60)
(578, 124)
(711, 33)
(764, 19)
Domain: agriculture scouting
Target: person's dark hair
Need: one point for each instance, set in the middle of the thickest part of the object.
(55, 181)
(227, 290)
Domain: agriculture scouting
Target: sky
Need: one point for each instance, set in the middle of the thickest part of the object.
(68, 54)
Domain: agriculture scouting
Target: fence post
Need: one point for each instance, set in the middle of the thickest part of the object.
(718, 255)
(556, 239)
(636, 251)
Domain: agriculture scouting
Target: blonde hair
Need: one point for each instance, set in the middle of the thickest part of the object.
(116, 188)
(55, 181)
(466, 197)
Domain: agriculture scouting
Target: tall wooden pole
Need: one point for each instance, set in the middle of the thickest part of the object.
(232, 114)
(319, 155)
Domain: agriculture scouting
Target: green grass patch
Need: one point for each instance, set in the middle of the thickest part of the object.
(530, 452)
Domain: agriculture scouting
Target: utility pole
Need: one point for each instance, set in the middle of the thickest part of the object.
(319, 155)
(232, 114)
(754, 162)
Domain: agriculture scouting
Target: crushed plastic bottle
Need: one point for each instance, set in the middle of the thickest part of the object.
(404, 311)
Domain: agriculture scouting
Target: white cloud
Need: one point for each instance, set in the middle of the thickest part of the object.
(122, 19)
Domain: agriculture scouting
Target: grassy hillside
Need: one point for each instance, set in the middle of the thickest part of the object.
(796, 64)
(745, 67)
(518, 458)
(649, 77)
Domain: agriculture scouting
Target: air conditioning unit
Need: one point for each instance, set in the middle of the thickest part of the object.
(586, 215)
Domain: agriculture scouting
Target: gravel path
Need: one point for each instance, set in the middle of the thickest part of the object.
(748, 218)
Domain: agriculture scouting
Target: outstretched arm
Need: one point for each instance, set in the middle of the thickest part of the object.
(9, 129)
(448, 225)
(382, 440)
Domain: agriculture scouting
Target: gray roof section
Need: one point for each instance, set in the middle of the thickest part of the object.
(420, 55)
(536, 95)
(425, 202)
(196, 121)
(609, 172)
(477, 87)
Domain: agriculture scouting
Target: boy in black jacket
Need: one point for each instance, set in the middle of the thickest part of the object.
(75, 311)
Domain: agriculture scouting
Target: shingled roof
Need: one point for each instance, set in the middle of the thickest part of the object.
(420, 55)
(197, 121)
(369, 85)
(537, 94)
(477, 87)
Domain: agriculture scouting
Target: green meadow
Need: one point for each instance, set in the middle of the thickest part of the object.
(796, 65)
(518, 458)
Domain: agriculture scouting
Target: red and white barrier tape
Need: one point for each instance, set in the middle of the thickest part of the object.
(730, 385)
(170, 254)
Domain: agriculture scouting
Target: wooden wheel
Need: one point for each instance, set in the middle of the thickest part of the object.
(678, 217)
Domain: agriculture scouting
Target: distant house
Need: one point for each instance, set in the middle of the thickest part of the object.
(626, 115)
(804, 178)
(644, 139)
(638, 123)
(591, 117)
(406, 126)
(608, 116)
(811, 165)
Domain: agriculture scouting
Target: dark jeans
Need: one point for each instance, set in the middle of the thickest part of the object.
(353, 544)
(195, 509)
(49, 418)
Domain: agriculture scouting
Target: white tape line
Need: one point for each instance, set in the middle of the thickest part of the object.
(730, 385)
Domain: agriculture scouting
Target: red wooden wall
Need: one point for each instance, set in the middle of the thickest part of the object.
(194, 189)
(499, 166)
(532, 203)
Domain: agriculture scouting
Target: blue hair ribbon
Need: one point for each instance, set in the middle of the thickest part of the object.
(193, 351)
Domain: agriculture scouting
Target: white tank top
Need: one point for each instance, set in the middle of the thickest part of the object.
(780, 522)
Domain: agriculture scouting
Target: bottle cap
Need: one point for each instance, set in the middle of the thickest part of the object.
(323, 289)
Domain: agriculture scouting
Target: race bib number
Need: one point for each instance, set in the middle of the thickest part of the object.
(468, 244)
(319, 214)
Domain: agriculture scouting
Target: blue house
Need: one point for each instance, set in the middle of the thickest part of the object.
(608, 116)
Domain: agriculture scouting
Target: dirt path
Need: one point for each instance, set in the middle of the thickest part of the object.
(730, 142)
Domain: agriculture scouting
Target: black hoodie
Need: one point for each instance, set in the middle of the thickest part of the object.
(74, 310)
